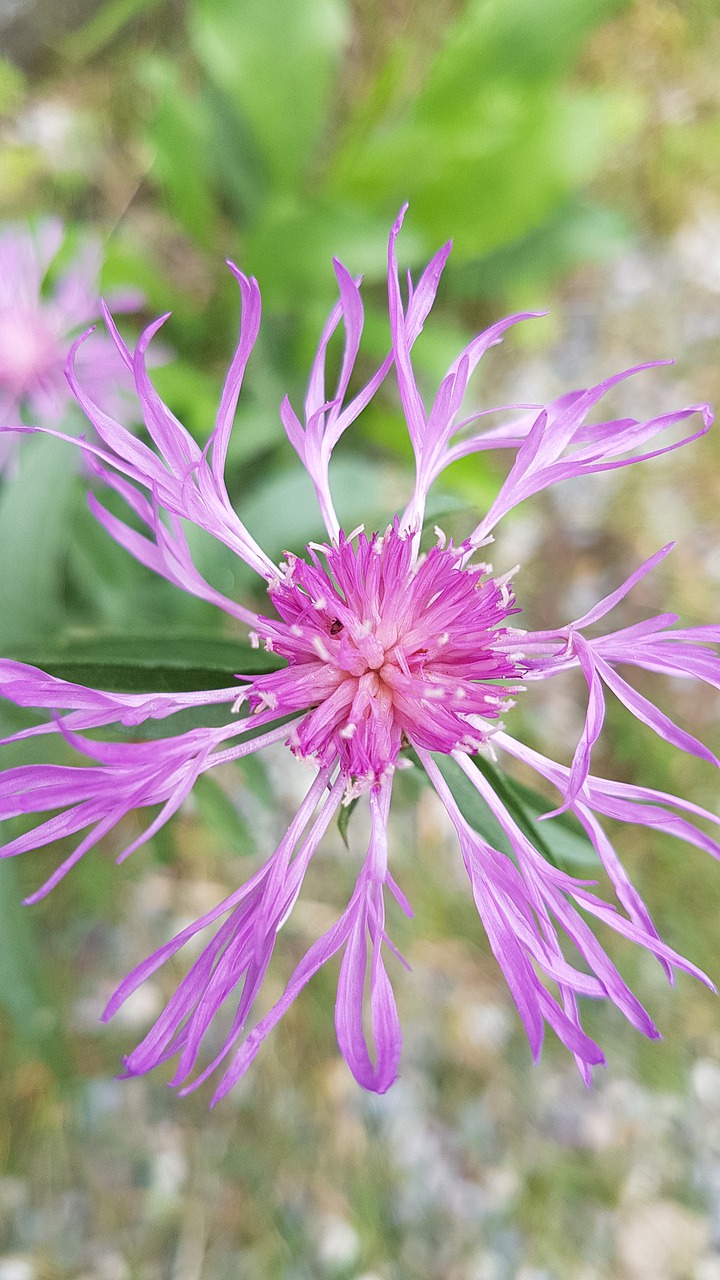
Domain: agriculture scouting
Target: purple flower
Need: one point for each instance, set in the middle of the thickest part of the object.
(36, 327)
(385, 651)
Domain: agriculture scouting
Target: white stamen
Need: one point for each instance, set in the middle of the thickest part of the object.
(479, 722)
(505, 577)
(359, 787)
(308, 759)
(254, 639)
(320, 604)
(441, 539)
(287, 568)
(321, 649)
(444, 638)
(267, 699)
(348, 730)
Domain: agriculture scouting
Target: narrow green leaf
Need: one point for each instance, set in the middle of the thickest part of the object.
(562, 840)
(276, 63)
(257, 780)
(179, 135)
(344, 816)
(146, 664)
(222, 816)
(470, 804)
(33, 536)
(104, 25)
(493, 138)
(12, 86)
(578, 231)
(24, 992)
(19, 970)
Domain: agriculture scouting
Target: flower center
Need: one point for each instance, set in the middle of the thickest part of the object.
(382, 651)
(27, 349)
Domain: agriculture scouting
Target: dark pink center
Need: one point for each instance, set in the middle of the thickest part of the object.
(382, 650)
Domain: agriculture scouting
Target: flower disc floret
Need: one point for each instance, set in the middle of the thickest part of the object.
(387, 650)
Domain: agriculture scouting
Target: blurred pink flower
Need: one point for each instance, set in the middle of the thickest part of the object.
(38, 325)
(383, 650)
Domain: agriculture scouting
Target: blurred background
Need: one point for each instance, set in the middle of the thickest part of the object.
(570, 149)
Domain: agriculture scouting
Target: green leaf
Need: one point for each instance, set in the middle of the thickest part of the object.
(23, 989)
(86, 41)
(495, 138)
(344, 816)
(470, 804)
(288, 250)
(562, 840)
(218, 811)
(90, 39)
(19, 969)
(578, 232)
(282, 510)
(192, 394)
(179, 134)
(12, 86)
(258, 781)
(276, 62)
(34, 533)
(146, 664)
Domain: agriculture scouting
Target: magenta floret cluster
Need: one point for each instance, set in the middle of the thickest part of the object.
(387, 653)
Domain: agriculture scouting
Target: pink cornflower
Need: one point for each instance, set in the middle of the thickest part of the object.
(384, 651)
(37, 326)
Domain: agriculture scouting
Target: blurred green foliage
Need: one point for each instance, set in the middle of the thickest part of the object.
(488, 138)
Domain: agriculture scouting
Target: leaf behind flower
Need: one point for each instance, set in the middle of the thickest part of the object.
(561, 841)
(147, 664)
